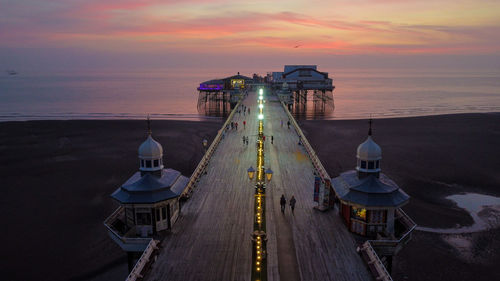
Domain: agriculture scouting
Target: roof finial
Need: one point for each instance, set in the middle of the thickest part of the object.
(149, 126)
(370, 129)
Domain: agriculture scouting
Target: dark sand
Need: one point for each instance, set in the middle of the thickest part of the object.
(430, 158)
(56, 180)
(57, 177)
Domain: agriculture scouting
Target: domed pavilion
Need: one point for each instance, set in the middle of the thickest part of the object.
(368, 198)
(149, 199)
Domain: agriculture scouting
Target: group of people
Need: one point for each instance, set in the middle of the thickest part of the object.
(287, 123)
(283, 203)
(243, 109)
(245, 140)
(234, 125)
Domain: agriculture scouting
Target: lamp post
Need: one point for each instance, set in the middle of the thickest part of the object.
(269, 174)
(251, 172)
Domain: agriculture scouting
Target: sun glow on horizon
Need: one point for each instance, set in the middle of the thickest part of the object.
(299, 28)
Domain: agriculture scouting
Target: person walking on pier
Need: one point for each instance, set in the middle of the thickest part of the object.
(283, 203)
(244, 124)
(236, 125)
(243, 140)
(249, 111)
(288, 123)
(272, 139)
(281, 123)
(247, 140)
(292, 203)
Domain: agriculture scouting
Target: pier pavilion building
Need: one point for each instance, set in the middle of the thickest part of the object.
(218, 96)
(304, 83)
(369, 199)
(149, 200)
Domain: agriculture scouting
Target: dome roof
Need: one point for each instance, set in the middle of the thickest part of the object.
(369, 150)
(150, 149)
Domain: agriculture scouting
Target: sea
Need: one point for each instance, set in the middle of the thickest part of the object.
(172, 94)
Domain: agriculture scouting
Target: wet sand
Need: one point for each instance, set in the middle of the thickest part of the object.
(57, 177)
(430, 158)
(56, 180)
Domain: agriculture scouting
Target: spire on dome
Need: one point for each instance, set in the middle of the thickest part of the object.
(149, 125)
(370, 129)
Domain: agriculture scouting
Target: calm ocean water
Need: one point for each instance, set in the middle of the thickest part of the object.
(167, 94)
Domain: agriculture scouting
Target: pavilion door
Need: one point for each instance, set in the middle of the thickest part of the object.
(169, 224)
(163, 218)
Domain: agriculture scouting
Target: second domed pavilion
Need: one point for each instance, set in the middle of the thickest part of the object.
(369, 198)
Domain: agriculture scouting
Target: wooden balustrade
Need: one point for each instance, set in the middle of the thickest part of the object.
(206, 158)
(143, 260)
(374, 263)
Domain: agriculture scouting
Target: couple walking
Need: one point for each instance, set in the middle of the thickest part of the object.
(283, 203)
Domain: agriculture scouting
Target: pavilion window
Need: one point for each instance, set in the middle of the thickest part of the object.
(371, 165)
(378, 164)
(142, 163)
(163, 213)
(359, 213)
(148, 163)
(158, 218)
(155, 163)
(363, 164)
(143, 218)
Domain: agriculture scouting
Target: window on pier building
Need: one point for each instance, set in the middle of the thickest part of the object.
(155, 163)
(143, 218)
(158, 218)
(371, 165)
(378, 164)
(359, 213)
(148, 163)
(163, 213)
(377, 216)
(363, 164)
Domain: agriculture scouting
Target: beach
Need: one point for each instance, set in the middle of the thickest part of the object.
(57, 177)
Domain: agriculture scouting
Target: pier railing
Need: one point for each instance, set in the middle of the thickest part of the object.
(119, 214)
(376, 266)
(312, 154)
(143, 261)
(392, 246)
(206, 158)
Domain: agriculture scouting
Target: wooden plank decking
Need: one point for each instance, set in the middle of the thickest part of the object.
(211, 239)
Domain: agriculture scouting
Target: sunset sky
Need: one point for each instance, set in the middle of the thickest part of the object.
(206, 32)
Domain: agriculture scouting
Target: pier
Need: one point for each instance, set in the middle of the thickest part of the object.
(212, 237)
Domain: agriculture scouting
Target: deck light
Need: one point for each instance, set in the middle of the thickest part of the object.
(269, 174)
(261, 91)
(261, 106)
(261, 97)
(261, 116)
(251, 172)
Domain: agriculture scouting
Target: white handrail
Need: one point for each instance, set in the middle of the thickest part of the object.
(382, 272)
(114, 216)
(143, 261)
(312, 154)
(206, 158)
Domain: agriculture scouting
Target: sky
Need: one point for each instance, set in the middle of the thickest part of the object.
(220, 33)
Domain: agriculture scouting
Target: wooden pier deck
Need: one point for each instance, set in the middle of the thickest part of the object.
(211, 239)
